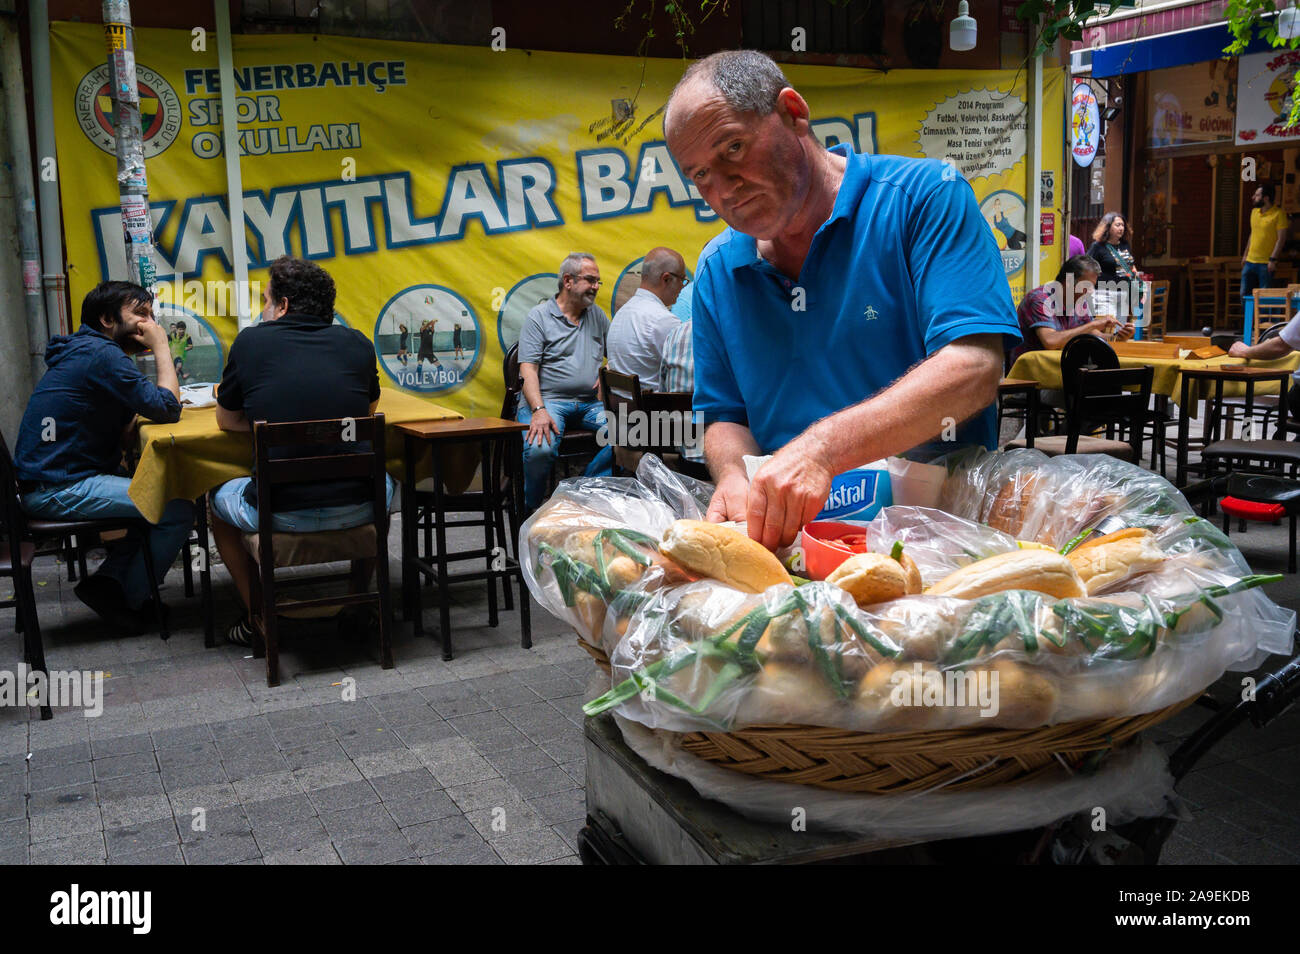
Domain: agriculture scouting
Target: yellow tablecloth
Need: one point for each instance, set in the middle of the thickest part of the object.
(1045, 368)
(186, 459)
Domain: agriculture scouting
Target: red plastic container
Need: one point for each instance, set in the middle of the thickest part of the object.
(820, 554)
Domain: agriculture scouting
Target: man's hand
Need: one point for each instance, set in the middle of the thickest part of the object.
(1272, 266)
(541, 428)
(787, 492)
(151, 335)
(730, 498)
(1239, 349)
(1124, 331)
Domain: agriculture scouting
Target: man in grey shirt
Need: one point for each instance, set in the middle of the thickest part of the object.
(640, 327)
(561, 349)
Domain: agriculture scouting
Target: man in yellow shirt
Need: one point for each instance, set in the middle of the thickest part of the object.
(1268, 225)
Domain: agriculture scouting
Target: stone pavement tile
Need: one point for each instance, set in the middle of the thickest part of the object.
(256, 726)
(59, 776)
(560, 806)
(1260, 819)
(13, 804)
(303, 735)
(363, 820)
(259, 788)
(501, 740)
(570, 707)
(442, 835)
(463, 705)
(515, 761)
(394, 701)
(1253, 784)
(508, 696)
(279, 812)
(1213, 833)
(414, 810)
(565, 749)
(479, 724)
(224, 849)
(469, 853)
(60, 755)
(218, 821)
(1272, 852)
(415, 714)
(119, 766)
(135, 810)
(286, 718)
(545, 781)
(322, 853)
(178, 777)
(207, 797)
(1202, 790)
(577, 770)
(326, 774)
(73, 849)
(129, 786)
(314, 753)
(472, 769)
(381, 849)
(530, 847)
(403, 784)
(15, 763)
(14, 855)
(566, 860)
(453, 749)
(486, 793)
(390, 762)
(247, 746)
(60, 799)
(436, 729)
(568, 831)
(338, 797)
(301, 831)
(423, 674)
(369, 741)
(181, 736)
(258, 763)
(161, 855)
(14, 832)
(190, 753)
(121, 745)
(502, 820)
(1282, 765)
(131, 838)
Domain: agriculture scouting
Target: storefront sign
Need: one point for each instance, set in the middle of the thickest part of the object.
(441, 186)
(1085, 124)
(1195, 103)
(1266, 84)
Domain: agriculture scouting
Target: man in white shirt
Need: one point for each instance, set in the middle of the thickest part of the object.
(636, 338)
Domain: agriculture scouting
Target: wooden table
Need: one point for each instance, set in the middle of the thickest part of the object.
(1030, 390)
(1249, 376)
(493, 435)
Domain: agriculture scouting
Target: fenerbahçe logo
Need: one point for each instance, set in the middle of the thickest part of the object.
(160, 109)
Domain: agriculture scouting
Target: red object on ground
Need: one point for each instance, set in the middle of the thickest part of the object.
(827, 544)
(1252, 510)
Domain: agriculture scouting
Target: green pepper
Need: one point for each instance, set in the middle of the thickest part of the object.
(896, 551)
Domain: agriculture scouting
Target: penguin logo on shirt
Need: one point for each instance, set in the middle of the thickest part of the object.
(870, 314)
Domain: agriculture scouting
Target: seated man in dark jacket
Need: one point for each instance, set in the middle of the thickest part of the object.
(294, 365)
(69, 451)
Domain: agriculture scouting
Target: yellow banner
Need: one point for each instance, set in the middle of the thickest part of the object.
(445, 183)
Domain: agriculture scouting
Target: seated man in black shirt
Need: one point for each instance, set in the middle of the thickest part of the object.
(295, 365)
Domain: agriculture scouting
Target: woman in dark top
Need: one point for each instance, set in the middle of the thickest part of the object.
(1111, 250)
(403, 339)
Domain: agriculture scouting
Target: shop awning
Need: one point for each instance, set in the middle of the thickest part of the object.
(1169, 49)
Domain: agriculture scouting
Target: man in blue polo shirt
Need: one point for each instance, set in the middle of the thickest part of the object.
(855, 308)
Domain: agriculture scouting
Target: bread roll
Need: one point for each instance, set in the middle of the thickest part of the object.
(871, 578)
(1111, 558)
(723, 554)
(790, 693)
(1026, 699)
(1040, 570)
(913, 574)
(1011, 505)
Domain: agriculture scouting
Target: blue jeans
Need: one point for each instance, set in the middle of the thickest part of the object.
(539, 458)
(229, 504)
(104, 496)
(1253, 275)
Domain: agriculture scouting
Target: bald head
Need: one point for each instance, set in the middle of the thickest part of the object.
(663, 273)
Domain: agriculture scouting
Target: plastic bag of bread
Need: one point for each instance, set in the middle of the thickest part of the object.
(948, 622)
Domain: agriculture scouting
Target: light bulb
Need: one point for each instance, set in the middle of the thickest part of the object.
(961, 34)
(1288, 23)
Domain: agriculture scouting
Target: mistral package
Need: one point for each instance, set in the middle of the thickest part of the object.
(856, 494)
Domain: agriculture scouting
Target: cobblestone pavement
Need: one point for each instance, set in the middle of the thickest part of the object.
(478, 760)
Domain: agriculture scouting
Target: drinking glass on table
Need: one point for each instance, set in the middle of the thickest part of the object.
(1103, 309)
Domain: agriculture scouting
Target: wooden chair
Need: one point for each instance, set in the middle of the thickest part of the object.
(623, 396)
(311, 451)
(1232, 313)
(578, 444)
(1157, 310)
(1203, 287)
(1273, 306)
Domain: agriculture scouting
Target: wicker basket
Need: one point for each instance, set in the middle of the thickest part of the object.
(897, 763)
